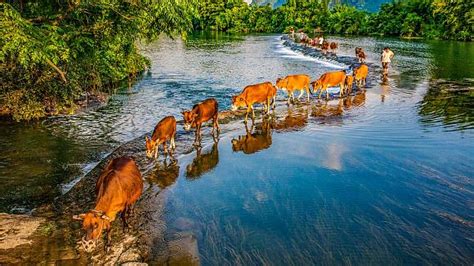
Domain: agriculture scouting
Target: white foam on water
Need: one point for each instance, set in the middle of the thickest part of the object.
(286, 52)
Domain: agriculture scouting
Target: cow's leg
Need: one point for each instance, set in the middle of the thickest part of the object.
(307, 93)
(172, 142)
(301, 94)
(124, 217)
(156, 150)
(289, 98)
(165, 148)
(108, 238)
(216, 123)
(274, 102)
(325, 88)
(341, 91)
(249, 107)
(253, 114)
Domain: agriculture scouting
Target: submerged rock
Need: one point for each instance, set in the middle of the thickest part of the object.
(16, 230)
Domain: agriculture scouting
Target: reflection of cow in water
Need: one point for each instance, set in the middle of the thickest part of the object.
(165, 175)
(203, 163)
(254, 142)
(292, 121)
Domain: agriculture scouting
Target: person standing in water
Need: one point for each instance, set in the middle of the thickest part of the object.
(387, 56)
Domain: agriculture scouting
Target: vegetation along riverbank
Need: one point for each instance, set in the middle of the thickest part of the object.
(57, 56)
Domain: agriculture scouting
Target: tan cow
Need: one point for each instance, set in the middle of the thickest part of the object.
(360, 74)
(264, 93)
(330, 79)
(293, 83)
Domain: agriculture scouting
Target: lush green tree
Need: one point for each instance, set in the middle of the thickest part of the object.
(53, 52)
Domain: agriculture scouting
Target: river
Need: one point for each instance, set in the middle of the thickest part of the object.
(383, 176)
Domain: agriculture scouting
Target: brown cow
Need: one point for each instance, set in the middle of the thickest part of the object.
(118, 187)
(325, 47)
(203, 163)
(360, 54)
(165, 130)
(201, 113)
(333, 47)
(360, 74)
(253, 142)
(292, 83)
(329, 79)
(264, 93)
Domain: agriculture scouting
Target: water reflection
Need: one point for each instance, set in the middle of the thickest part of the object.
(295, 119)
(451, 103)
(203, 162)
(164, 174)
(257, 138)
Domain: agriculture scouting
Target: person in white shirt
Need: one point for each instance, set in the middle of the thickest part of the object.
(387, 56)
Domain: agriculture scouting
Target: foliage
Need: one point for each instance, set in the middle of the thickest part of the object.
(443, 19)
(52, 52)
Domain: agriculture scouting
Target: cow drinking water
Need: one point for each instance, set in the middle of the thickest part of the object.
(165, 130)
(118, 187)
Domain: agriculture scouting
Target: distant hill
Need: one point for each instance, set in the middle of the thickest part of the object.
(369, 5)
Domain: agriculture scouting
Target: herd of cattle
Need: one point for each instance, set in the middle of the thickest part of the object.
(120, 185)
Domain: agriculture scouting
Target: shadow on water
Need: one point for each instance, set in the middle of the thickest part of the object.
(257, 138)
(203, 162)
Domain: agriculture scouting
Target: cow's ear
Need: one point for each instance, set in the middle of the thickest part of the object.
(278, 80)
(233, 98)
(147, 139)
(79, 217)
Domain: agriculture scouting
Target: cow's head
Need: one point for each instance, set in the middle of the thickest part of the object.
(237, 144)
(237, 102)
(150, 146)
(316, 85)
(189, 118)
(93, 223)
(281, 84)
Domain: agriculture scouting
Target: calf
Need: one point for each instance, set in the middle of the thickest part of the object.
(202, 112)
(264, 93)
(333, 47)
(360, 74)
(360, 55)
(165, 130)
(325, 47)
(328, 80)
(293, 83)
(118, 187)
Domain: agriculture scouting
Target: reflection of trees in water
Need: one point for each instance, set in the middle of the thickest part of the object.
(449, 103)
(203, 162)
(165, 173)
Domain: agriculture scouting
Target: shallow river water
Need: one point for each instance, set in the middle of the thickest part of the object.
(384, 176)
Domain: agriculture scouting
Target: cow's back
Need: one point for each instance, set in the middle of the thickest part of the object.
(120, 183)
(206, 109)
(362, 72)
(258, 92)
(333, 78)
(164, 128)
(298, 81)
